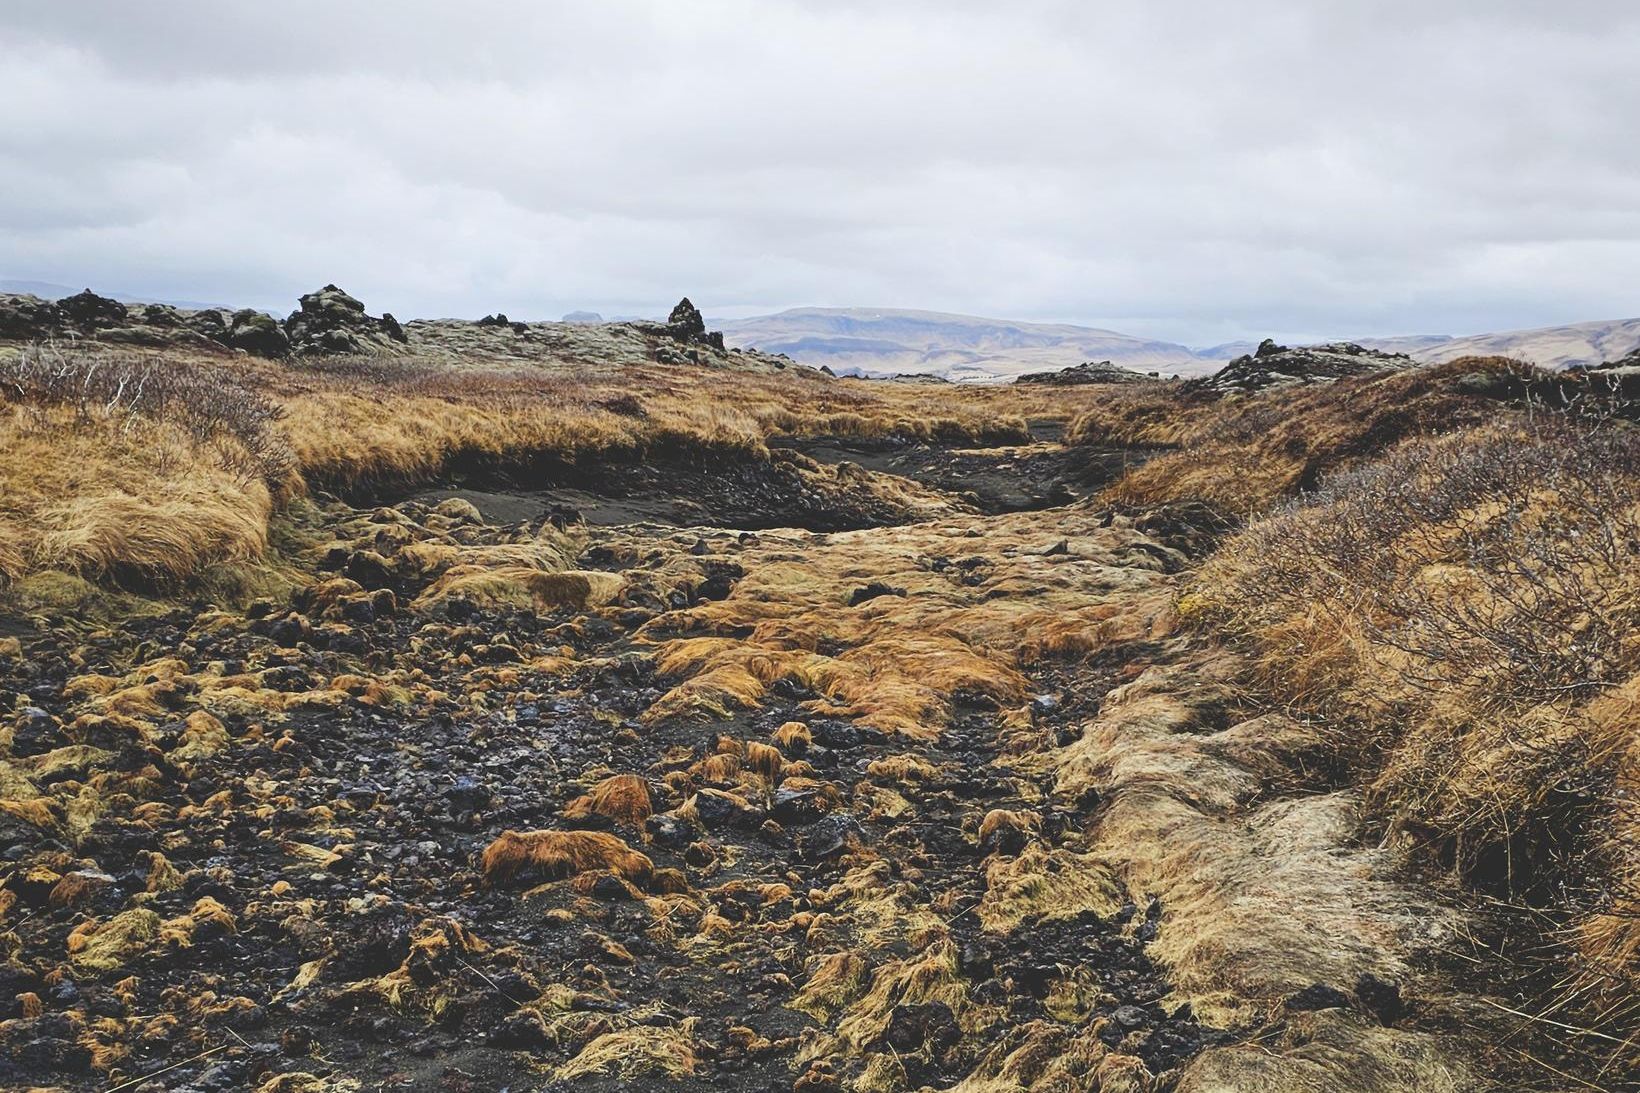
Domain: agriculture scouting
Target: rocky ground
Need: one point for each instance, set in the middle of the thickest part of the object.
(329, 322)
(275, 843)
(1016, 478)
(672, 777)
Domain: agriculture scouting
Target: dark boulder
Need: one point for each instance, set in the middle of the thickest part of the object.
(87, 311)
(667, 831)
(499, 319)
(28, 317)
(163, 316)
(210, 323)
(35, 731)
(799, 806)
(257, 333)
(831, 837)
(685, 324)
(717, 810)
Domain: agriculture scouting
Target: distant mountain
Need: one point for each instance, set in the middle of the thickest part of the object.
(884, 342)
(1549, 346)
(880, 342)
(46, 290)
(43, 289)
(1227, 351)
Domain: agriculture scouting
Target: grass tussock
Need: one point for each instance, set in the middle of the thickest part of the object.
(1043, 885)
(624, 798)
(630, 1054)
(932, 975)
(527, 857)
(1047, 1057)
(1470, 602)
(132, 470)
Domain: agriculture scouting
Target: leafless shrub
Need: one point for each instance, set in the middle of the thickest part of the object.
(207, 403)
(1471, 602)
(1501, 557)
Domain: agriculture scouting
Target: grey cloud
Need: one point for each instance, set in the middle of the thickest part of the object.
(1194, 170)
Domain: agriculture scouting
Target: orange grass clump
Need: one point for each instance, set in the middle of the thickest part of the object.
(522, 857)
(623, 798)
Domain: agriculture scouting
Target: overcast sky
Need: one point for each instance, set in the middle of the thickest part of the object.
(1195, 170)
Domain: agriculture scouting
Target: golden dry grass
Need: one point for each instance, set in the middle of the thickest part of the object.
(1051, 1058)
(624, 798)
(1259, 897)
(1468, 605)
(1242, 454)
(636, 1053)
(110, 501)
(896, 662)
(142, 500)
(522, 857)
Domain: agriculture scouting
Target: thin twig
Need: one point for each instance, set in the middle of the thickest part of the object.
(1556, 1024)
(162, 1070)
(493, 985)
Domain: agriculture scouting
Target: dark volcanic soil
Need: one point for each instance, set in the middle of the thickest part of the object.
(302, 892)
(995, 480)
(680, 489)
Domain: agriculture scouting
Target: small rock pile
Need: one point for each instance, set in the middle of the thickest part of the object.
(686, 324)
(331, 321)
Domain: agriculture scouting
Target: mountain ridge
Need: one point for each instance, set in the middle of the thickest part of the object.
(889, 341)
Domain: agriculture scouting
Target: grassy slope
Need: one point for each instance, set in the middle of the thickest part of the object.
(100, 491)
(1439, 565)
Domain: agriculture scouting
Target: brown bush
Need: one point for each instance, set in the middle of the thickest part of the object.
(204, 400)
(1470, 604)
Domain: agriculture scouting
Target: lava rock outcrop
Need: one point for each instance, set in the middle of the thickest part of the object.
(1275, 365)
(1085, 373)
(331, 321)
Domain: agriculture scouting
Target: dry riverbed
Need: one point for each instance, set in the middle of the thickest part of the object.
(684, 796)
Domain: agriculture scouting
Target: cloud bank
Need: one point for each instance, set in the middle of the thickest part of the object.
(1192, 170)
